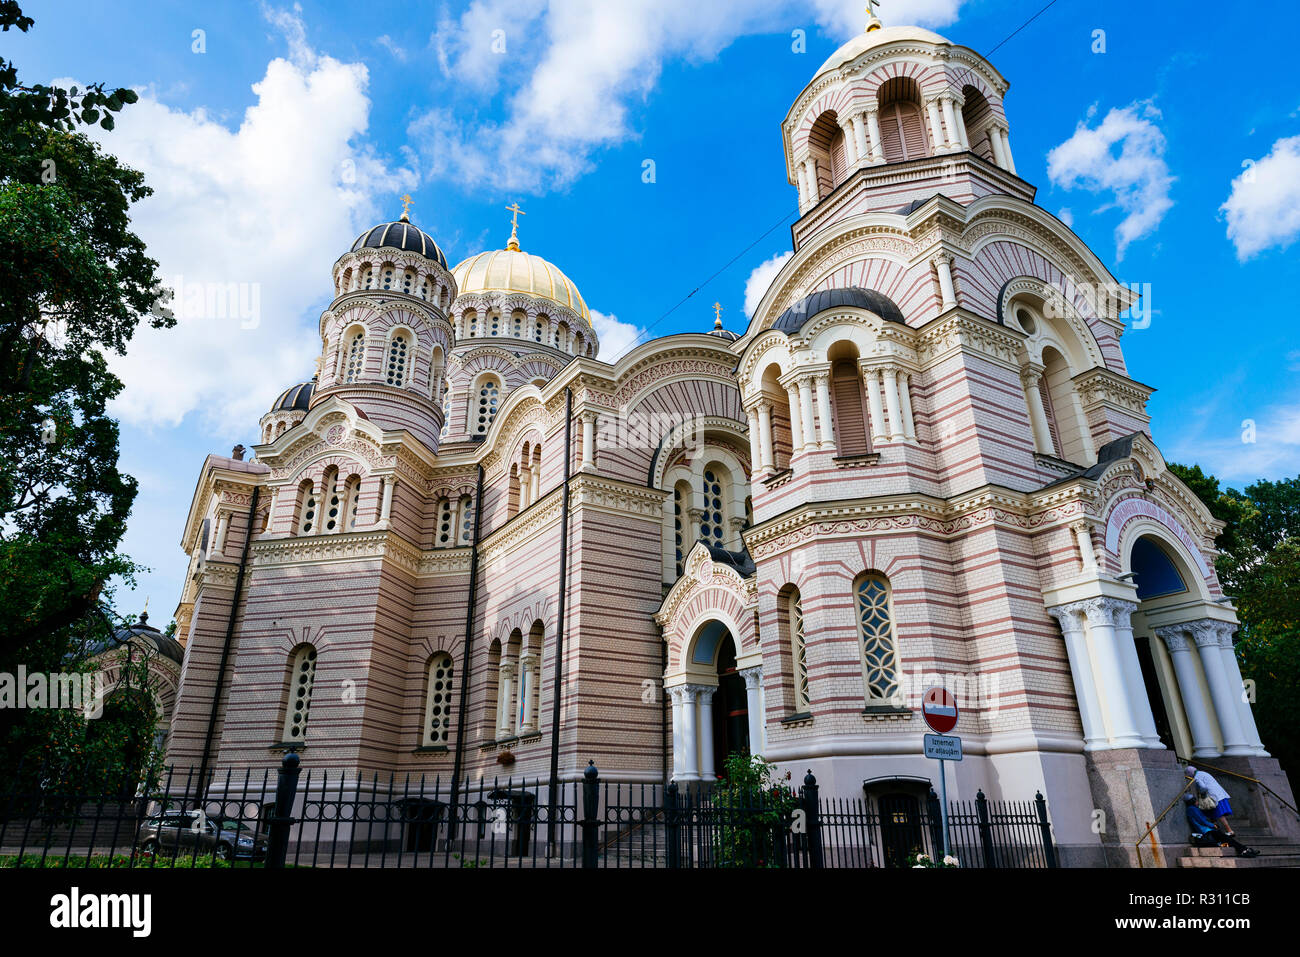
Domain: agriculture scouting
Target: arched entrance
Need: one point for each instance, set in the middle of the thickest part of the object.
(730, 708)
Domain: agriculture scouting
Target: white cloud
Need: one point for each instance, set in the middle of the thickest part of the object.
(1136, 177)
(616, 337)
(1274, 453)
(572, 70)
(1263, 209)
(759, 280)
(1065, 216)
(268, 206)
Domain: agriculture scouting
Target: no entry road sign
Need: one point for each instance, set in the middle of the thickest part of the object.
(939, 708)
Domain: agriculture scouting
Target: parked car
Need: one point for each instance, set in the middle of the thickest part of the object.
(181, 832)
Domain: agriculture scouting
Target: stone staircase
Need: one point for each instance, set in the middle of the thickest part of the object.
(1274, 851)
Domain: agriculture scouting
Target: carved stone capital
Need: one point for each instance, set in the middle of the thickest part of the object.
(753, 677)
(1108, 611)
(1174, 637)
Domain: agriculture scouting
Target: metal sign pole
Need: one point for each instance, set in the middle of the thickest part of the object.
(943, 803)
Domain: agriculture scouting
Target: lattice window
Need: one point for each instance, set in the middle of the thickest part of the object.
(466, 520)
(388, 278)
(302, 679)
(879, 658)
(712, 523)
(446, 412)
(489, 394)
(408, 281)
(307, 511)
(355, 363)
(494, 324)
(519, 327)
(537, 333)
(437, 712)
(798, 655)
(368, 278)
(446, 533)
(333, 502)
(397, 361)
(679, 530)
(353, 503)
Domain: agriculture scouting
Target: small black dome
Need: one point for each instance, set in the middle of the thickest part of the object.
(141, 631)
(725, 334)
(295, 397)
(793, 319)
(401, 235)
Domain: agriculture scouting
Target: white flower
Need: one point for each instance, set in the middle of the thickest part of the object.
(950, 860)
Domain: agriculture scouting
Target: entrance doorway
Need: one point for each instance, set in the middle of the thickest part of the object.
(730, 706)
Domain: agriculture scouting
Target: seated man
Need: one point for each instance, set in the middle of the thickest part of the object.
(1205, 834)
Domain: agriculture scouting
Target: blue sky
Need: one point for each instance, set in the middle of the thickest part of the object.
(279, 132)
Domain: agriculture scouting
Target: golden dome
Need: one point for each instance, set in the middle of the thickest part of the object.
(511, 270)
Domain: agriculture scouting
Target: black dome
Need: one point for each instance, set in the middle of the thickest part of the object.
(141, 631)
(401, 235)
(793, 319)
(295, 397)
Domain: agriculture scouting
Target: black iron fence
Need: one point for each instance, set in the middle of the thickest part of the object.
(296, 818)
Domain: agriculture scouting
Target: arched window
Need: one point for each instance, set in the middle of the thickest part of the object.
(492, 715)
(388, 276)
(368, 277)
(332, 497)
(537, 331)
(977, 116)
(307, 508)
(469, 323)
(902, 128)
(793, 625)
(466, 520)
(408, 282)
(517, 323)
(489, 394)
(875, 625)
(397, 360)
(446, 534)
(681, 524)
(302, 675)
(436, 364)
(354, 357)
(446, 411)
(826, 147)
(437, 706)
(849, 407)
(713, 523)
(1061, 403)
(351, 502)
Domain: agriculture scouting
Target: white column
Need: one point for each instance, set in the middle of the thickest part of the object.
(386, 509)
(525, 488)
(1081, 423)
(1176, 639)
(1085, 688)
(947, 291)
(527, 686)
(753, 686)
(873, 134)
(1121, 720)
(765, 435)
(676, 695)
(1037, 414)
(806, 413)
(1087, 554)
(879, 428)
(690, 739)
(995, 141)
(453, 514)
(891, 404)
(1006, 149)
(1128, 659)
(936, 125)
(505, 699)
(223, 526)
(860, 138)
(589, 441)
(1222, 693)
(824, 412)
(1233, 670)
(814, 182)
(850, 145)
(755, 453)
(535, 488)
(801, 184)
(796, 426)
(705, 693)
(905, 400)
(950, 119)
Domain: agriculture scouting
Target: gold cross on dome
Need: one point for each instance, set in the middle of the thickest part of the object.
(514, 225)
(406, 206)
(873, 21)
(717, 314)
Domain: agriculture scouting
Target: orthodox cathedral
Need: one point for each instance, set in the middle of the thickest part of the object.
(923, 462)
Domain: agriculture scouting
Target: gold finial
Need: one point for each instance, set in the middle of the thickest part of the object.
(513, 243)
(717, 315)
(873, 21)
(406, 208)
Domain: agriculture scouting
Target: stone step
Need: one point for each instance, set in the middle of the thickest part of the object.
(1280, 860)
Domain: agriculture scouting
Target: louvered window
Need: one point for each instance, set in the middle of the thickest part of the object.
(850, 417)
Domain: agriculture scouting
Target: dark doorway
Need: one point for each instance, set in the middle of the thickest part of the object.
(1152, 683)
(730, 707)
(900, 828)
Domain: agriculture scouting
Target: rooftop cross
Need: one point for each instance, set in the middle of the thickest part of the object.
(873, 21)
(514, 226)
(406, 207)
(717, 315)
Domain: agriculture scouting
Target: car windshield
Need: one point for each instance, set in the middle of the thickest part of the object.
(230, 824)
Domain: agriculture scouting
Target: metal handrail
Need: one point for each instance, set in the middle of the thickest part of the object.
(1247, 777)
(1137, 846)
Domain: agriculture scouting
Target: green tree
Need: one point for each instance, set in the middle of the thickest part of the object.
(1259, 567)
(75, 282)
